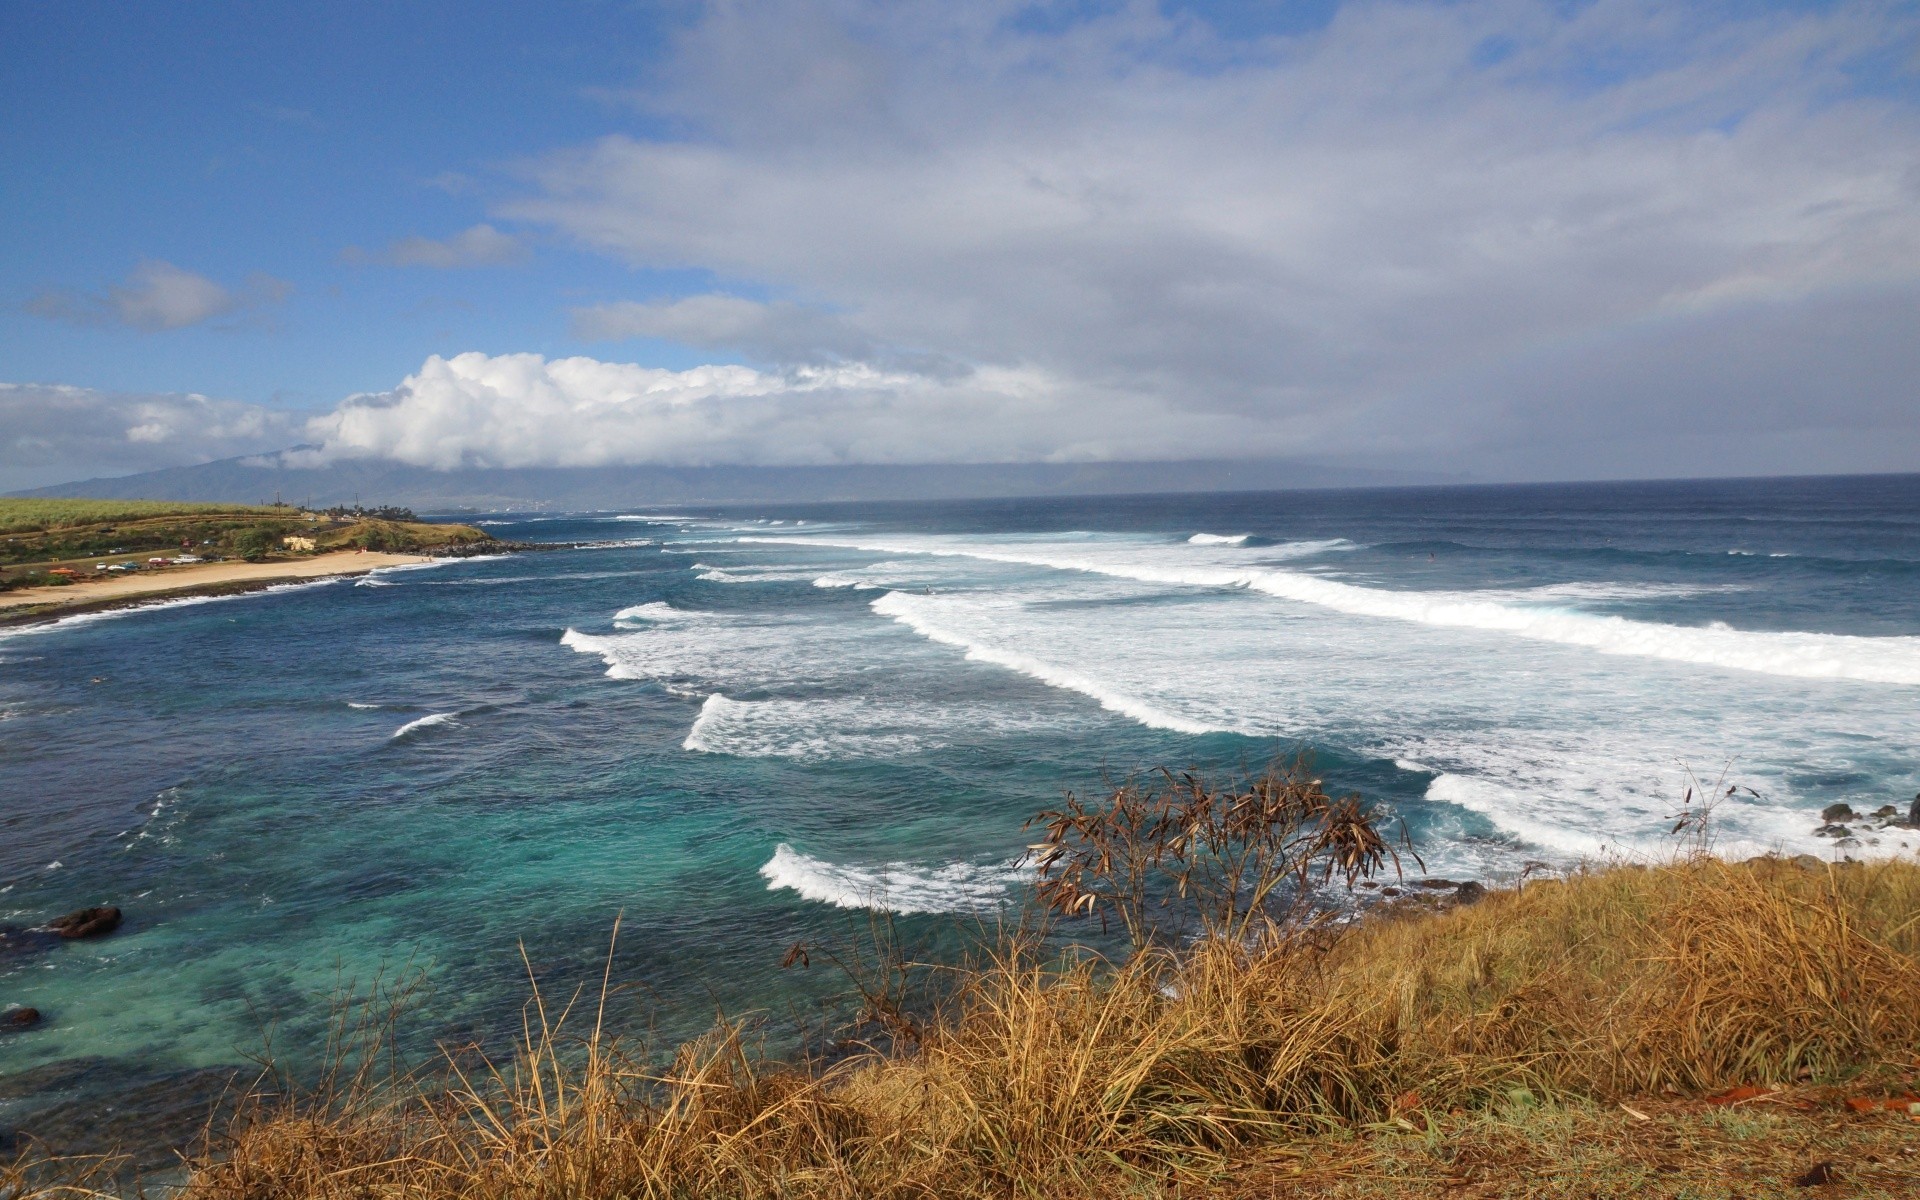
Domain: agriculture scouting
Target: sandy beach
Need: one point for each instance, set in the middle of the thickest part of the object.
(126, 586)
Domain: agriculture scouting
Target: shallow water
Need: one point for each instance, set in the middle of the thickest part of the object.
(740, 728)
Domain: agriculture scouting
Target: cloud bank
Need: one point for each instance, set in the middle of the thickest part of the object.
(1525, 237)
(522, 410)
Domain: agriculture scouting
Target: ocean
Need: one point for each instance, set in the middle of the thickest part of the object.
(737, 728)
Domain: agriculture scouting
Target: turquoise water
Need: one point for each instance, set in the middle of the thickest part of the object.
(741, 728)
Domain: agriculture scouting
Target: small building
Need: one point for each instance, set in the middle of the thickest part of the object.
(303, 545)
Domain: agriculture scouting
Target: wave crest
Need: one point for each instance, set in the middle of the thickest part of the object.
(897, 887)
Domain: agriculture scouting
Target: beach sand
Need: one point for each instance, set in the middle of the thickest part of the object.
(120, 587)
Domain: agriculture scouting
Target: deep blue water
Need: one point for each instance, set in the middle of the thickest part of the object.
(739, 727)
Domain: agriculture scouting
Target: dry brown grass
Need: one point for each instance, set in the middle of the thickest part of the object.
(1485, 1050)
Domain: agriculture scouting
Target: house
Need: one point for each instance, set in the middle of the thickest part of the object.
(302, 544)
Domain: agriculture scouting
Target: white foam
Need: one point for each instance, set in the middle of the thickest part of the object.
(795, 729)
(426, 722)
(897, 887)
(1219, 539)
(357, 704)
(657, 610)
(919, 614)
(1886, 660)
(752, 575)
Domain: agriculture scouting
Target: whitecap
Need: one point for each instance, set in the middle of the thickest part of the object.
(837, 728)
(897, 887)
(1805, 655)
(917, 613)
(426, 722)
(1219, 539)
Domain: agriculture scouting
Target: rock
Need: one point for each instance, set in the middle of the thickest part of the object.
(1837, 812)
(1468, 893)
(1848, 843)
(17, 1018)
(1438, 883)
(1913, 814)
(1836, 831)
(1886, 812)
(86, 923)
(1807, 862)
(1389, 891)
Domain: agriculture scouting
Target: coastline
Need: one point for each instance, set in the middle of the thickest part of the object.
(29, 606)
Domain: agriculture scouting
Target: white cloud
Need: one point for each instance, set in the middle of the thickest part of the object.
(1329, 243)
(157, 295)
(52, 433)
(479, 246)
(522, 410)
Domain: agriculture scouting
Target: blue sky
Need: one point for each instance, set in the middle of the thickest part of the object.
(237, 139)
(1515, 238)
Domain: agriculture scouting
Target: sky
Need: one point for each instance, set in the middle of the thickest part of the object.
(1519, 239)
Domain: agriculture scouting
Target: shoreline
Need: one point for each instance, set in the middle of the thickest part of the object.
(32, 606)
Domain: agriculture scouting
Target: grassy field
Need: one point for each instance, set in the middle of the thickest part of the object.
(1693, 1029)
(39, 535)
(38, 515)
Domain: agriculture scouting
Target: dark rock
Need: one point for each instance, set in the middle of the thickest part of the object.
(19, 1018)
(1837, 812)
(1848, 843)
(86, 923)
(1832, 831)
(1818, 1174)
(1913, 814)
(1468, 893)
(1886, 812)
(1438, 883)
(1389, 891)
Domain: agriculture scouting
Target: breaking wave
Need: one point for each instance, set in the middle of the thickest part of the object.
(794, 729)
(916, 613)
(426, 722)
(893, 887)
(1890, 660)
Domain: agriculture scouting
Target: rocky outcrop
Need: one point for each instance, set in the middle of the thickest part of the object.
(86, 923)
(17, 1018)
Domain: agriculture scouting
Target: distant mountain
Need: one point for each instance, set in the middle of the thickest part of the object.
(562, 489)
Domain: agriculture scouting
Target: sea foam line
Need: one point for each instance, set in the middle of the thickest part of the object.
(911, 611)
(130, 610)
(892, 887)
(1802, 655)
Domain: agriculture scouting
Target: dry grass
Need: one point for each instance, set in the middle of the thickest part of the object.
(1556, 1040)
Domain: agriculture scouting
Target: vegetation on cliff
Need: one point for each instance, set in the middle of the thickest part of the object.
(38, 535)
